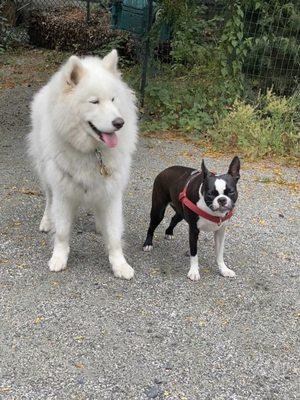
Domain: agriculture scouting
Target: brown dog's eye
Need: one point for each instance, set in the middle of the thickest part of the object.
(229, 192)
(213, 193)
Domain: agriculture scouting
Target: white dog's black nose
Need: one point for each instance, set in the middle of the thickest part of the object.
(222, 201)
(118, 123)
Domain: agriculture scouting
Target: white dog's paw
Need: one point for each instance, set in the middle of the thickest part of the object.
(168, 237)
(57, 263)
(148, 248)
(194, 274)
(224, 271)
(45, 225)
(124, 271)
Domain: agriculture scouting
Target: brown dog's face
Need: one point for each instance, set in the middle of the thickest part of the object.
(220, 191)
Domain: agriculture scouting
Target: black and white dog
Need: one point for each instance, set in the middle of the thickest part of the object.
(205, 200)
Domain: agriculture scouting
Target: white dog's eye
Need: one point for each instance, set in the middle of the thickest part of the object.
(94, 101)
(113, 99)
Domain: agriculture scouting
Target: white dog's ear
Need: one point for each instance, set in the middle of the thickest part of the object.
(110, 61)
(73, 71)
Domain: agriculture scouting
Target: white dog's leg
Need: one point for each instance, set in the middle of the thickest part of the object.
(63, 211)
(112, 229)
(46, 223)
(219, 249)
(98, 221)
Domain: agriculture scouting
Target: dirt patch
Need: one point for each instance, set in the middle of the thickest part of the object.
(28, 67)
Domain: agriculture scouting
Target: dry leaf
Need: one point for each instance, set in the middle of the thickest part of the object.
(154, 271)
(79, 365)
(38, 320)
(79, 338)
(29, 192)
(22, 266)
(5, 389)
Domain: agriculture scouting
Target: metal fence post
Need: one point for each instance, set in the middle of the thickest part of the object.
(146, 52)
(88, 11)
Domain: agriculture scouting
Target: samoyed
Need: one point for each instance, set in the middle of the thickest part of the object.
(84, 132)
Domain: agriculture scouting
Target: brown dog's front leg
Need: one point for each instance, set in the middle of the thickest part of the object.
(193, 239)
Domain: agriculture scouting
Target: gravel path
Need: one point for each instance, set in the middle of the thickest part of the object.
(82, 334)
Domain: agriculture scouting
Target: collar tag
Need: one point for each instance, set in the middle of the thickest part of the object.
(103, 170)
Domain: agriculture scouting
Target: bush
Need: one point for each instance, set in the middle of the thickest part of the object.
(271, 127)
(188, 99)
(8, 36)
(67, 29)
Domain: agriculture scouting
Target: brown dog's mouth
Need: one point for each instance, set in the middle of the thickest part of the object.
(222, 208)
(110, 139)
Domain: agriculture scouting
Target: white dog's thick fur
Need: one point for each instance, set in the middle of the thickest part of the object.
(72, 117)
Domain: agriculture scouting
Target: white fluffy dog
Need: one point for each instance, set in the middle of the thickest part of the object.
(84, 131)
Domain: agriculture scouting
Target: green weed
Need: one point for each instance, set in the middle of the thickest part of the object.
(269, 127)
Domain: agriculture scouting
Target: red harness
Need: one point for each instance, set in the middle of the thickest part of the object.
(189, 204)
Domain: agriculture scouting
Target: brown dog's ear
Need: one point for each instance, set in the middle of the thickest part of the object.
(234, 168)
(204, 169)
(73, 71)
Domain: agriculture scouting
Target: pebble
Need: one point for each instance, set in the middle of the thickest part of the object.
(152, 392)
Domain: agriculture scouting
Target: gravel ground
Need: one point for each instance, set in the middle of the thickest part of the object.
(82, 334)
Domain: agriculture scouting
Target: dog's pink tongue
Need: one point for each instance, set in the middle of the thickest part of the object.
(111, 139)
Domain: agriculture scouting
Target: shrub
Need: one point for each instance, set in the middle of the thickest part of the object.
(67, 29)
(270, 127)
(188, 99)
(8, 35)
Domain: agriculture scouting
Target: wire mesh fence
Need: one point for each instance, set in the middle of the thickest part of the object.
(274, 58)
(266, 44)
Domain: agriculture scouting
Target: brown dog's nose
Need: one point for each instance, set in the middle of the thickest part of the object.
(222, 201)
(118, 123)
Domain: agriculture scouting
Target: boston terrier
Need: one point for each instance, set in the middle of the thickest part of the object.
(205, 200)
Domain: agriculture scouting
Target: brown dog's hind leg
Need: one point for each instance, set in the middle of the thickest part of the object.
(160, 200)
(174, 221)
